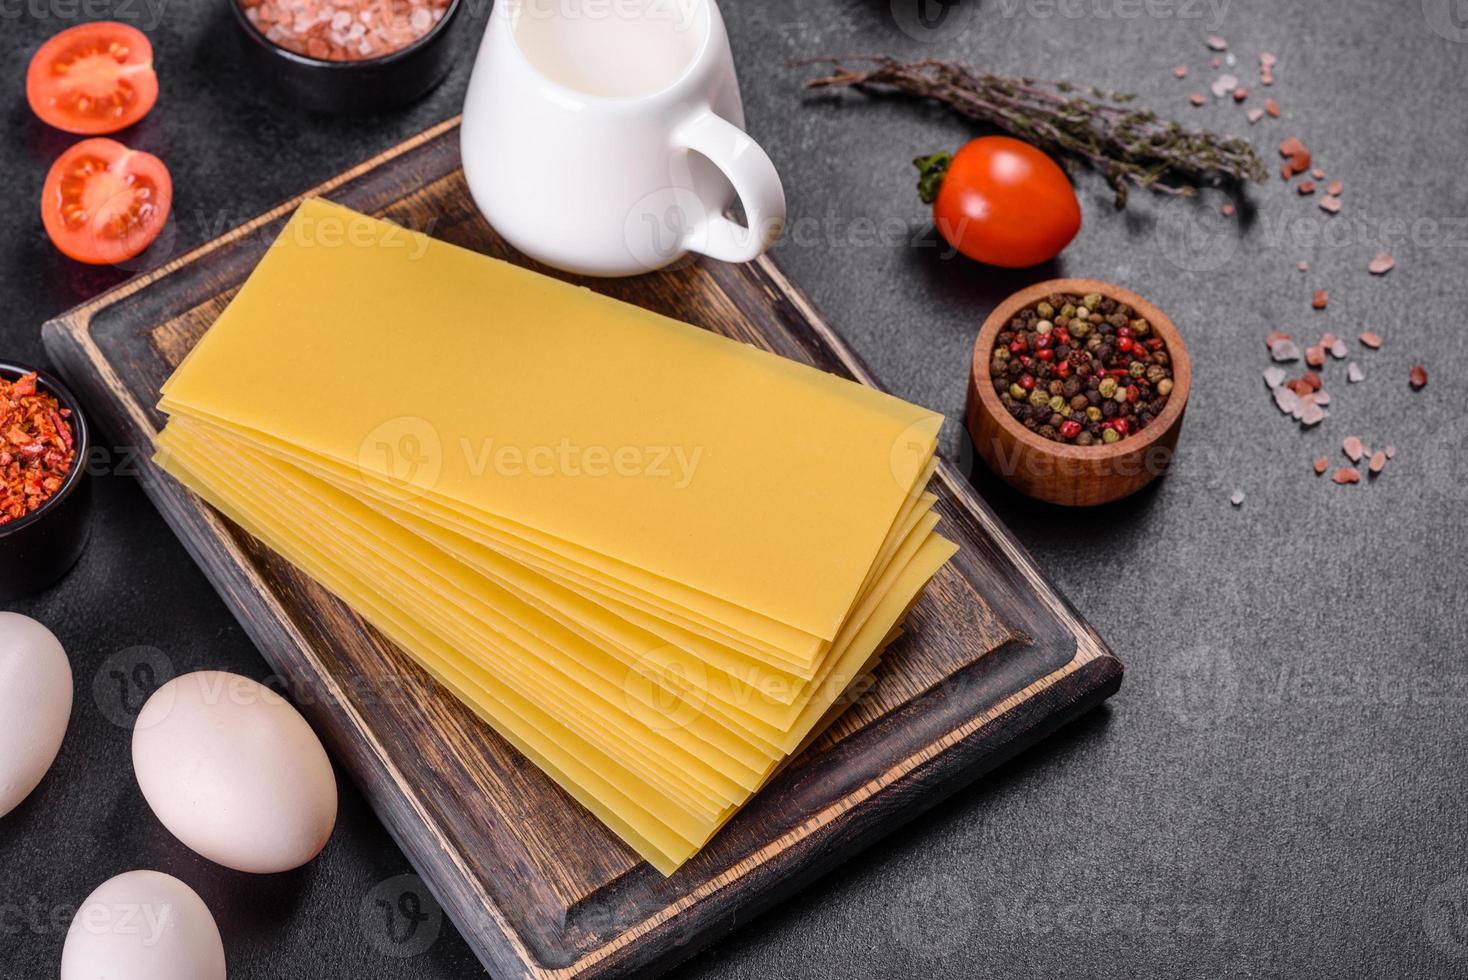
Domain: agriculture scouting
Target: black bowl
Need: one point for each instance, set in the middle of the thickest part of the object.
(40, 547)
(372, 85)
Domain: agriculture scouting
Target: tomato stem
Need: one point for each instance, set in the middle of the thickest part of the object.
(931, 171)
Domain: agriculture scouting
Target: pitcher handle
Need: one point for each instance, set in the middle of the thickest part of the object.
(755, 180)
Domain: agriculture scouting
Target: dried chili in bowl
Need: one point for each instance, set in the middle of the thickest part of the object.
(37, 447)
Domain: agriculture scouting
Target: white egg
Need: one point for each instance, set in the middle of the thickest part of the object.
(143, 925)
(234, 771)
(35, 705)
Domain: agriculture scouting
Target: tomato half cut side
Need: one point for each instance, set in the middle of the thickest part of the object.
(93, 78)
(104, 203)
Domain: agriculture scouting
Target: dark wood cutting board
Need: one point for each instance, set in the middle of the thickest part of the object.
(993, 658)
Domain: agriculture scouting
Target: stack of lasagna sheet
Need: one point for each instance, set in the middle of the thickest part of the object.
(652, 558)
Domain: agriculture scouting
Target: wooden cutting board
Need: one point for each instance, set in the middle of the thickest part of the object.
(993, 658)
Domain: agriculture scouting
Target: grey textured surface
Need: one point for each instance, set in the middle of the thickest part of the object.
(1279, 788)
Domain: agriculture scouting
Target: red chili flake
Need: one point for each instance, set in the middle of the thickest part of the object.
(1286, 171)
(1382, 264)
(1214, 62)
(1418, 377)
(1240, 94)
(1197, 99)
(1300, 387)
(1306, 187)
(1371, 339)
(1327, 340)
(41, 449)
(1271, 107)
(1227, 210)
(1300, 161)
(1378, 460)
(1315, 356)
(1320, 299)
(1274, 337)
(1330, 203)
(1334, 189)
(1289, 146)
(1321, 465)
(1352, 447)
(1181, 71)
(1346, 474)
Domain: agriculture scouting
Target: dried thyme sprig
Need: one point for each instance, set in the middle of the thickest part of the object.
(1126, 145)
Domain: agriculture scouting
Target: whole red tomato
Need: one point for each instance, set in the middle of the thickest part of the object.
(1001, 201)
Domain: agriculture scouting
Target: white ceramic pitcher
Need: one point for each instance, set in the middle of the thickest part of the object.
(604, 137)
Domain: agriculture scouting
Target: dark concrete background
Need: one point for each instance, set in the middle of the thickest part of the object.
(1279, 788)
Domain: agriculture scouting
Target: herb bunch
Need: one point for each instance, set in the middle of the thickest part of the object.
(1128, 145)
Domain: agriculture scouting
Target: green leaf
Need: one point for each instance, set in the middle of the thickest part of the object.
(931, 171)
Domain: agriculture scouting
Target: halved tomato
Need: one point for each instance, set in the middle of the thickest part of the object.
(93, 78)
(104, 203)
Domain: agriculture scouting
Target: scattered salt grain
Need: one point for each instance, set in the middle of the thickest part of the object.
(1284, 350)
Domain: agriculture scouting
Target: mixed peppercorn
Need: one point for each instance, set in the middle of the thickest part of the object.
(37, 449)
(1081, 370)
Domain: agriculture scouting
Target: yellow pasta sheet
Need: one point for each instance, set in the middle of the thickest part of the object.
(603, 674)
(603, 433)
(662, 828)
(675, 625)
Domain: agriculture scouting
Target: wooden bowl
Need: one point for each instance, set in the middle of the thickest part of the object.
(1061, 473)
